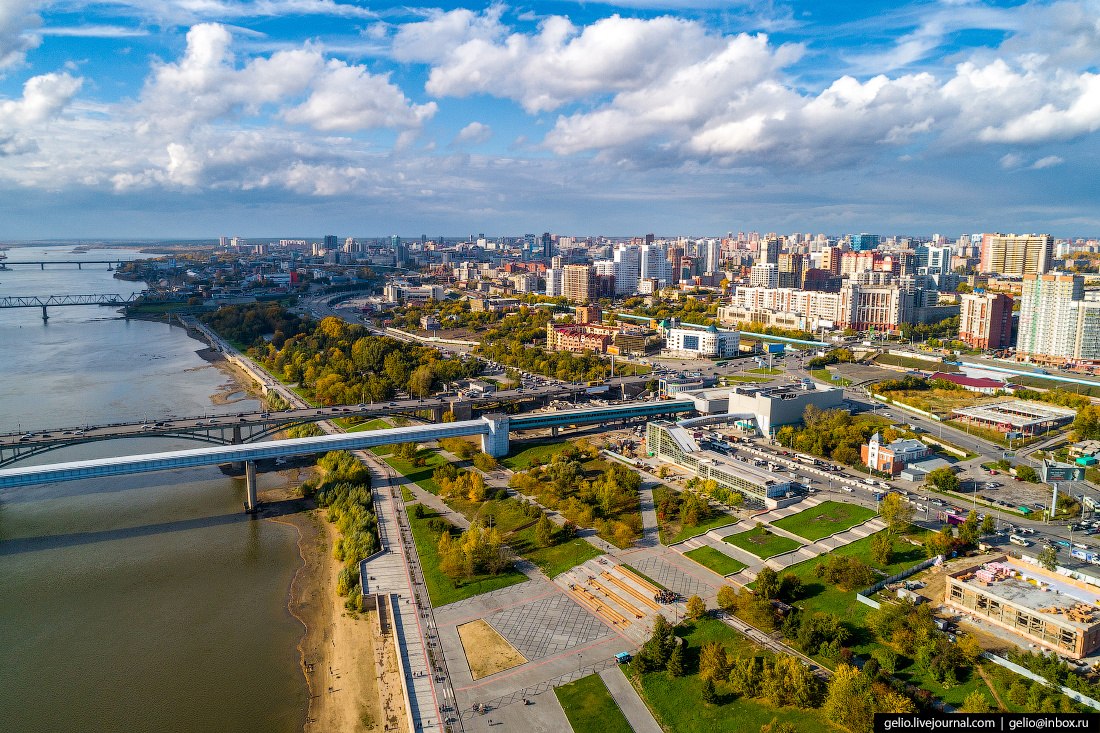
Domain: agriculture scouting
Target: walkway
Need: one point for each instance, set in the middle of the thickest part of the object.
(628, 700)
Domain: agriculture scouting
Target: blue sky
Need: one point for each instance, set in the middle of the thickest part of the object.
(194, 118)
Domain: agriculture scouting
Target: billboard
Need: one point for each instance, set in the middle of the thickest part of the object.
(1054, 472)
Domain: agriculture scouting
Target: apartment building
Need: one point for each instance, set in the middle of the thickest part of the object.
(985, 320)
(1017, 254)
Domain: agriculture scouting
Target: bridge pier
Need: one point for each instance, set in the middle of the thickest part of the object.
(250, 487)
(553, 431)
(79, 266)
(495, 442)
(45, 315)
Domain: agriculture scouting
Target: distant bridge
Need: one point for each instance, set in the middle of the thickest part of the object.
(493, 430)
(111, 264)
(46, 301)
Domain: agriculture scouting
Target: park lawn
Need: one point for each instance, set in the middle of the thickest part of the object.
(825, 519)
(762, 543)
(677, 702)
(673, 531)
(711, 558)
(590, 707)
(441, 589)
(825, 375)
(419, 475)
(742, 379)
(528, 453)
(953, 696)
(378, 423)
(765, 370)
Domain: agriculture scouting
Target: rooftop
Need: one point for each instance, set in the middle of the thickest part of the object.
(1016, 412)
(965, 381)
(1022, 585)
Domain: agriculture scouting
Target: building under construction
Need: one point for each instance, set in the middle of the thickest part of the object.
(1044, 607)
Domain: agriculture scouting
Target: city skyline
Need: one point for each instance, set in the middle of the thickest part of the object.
(186, 119)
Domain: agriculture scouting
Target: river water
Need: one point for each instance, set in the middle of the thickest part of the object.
(140, 603)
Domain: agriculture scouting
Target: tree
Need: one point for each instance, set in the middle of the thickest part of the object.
(895, 512)
(976, 702)
(886, 657)
(485, 462)
(1027, 473)
(968, 530)
(420, 381)
(405, 451)
(675, 666)
(939, 543)
(1048, 557)
(696, 608)
(989, 525)
(708, 693)
(850, 701)
(713, 661)
(767, 583)
(727, 598)
(882, 546)
(544, 531)
(943, 479)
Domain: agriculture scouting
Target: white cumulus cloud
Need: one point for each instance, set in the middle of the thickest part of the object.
(473, 134)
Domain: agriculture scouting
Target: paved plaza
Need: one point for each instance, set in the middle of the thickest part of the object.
(548, 626)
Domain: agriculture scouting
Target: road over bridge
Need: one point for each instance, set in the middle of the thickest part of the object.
(493, 429)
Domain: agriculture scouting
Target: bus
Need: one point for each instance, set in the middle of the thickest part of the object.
(595, 383)
(952, 518)
(806, 459)
(1018, 540)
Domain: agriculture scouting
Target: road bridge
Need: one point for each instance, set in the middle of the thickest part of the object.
(493, 429)
(45, 301)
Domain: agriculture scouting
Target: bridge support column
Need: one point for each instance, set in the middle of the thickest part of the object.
(553, 431)
(495, 442)
(45, 315)
(250, 487)
(79, 266)
(462, 409)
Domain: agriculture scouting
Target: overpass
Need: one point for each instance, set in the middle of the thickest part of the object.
(44, 301)
(493, 429)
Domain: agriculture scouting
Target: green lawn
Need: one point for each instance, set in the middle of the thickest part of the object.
(765, 370)
(677, 703)
(911, 363)
(378, 423)
(419, 475)
(441, 589)
(590, 707)
(711, 558)
(527, 453)
(742, 379)
(762, 543)
(827, 518)
(825, 375)
(672, 532)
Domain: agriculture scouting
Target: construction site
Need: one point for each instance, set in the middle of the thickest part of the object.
(1045, 608)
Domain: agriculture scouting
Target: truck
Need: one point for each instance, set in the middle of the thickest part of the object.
(1018, 540)
(623, 657)
(1088, 556)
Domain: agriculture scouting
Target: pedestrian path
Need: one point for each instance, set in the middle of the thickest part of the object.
(628, 700)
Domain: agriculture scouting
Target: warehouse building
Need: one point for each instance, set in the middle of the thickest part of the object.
(1026, 418)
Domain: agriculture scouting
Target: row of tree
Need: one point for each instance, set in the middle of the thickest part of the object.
(830, 434)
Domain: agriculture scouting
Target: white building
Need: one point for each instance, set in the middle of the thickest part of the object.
(628, 268)
(764, 276)
(654, 264)
(553, 283)
(1048, 327)
(697, 342)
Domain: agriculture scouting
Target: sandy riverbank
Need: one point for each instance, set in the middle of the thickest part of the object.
(340, 652)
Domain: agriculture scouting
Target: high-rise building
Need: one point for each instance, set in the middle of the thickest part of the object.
(628, 268)
(547, 246)
(985, 320)
(769, 250)
(713, 254)
(790, 270)
(399, 254)
(330, 242)
(863, 242)
(830, 259)
(654, 264)
(764, 275)
(553, 282)
(578, 283)
(1012, 254)
(1048, 317)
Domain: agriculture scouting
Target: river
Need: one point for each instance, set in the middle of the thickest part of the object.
(140, 603)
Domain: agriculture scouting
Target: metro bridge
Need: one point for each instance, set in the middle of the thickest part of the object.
(493, 429)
